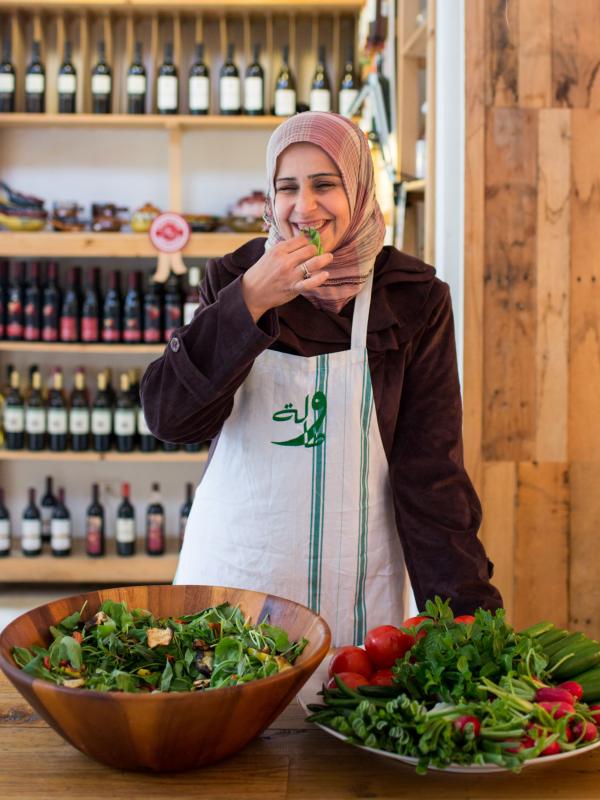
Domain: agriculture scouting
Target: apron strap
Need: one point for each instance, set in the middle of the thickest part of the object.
(360, 319)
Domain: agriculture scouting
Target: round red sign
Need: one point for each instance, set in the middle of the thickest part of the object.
(169, 232)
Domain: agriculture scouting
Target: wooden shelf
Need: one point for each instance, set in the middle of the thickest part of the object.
(186, 122)
(80, 347)
(187, 5)
(112, 455)
(48, 244)
(415, 186)
(81, 568)
(416, 44)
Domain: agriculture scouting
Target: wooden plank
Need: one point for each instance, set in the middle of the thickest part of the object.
(535, 53)
(575, 36)
(502, 51)
(510, 278)
(184, 121)
(553, 280)
(584, 378)
(112, 455)
(498, 527)
(189, 5)
(584, 586)
(542, 545)
(175, 170)
(18, 58)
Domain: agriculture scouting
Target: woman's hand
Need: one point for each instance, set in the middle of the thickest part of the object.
(278, 276)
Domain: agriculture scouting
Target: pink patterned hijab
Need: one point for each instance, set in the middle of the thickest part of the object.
(347, 146)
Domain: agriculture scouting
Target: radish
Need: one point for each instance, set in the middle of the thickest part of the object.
(585, 731)
(554, 695)
(557, 709)
(595, 713)
(573, 688)
(552, 749)
(467, 724)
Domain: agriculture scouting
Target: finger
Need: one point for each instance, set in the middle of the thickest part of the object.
(317, 263)
(313, 282)
(296, 242)
(301, 254)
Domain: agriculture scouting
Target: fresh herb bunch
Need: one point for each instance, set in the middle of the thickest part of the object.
(315, 238)
(133, 651)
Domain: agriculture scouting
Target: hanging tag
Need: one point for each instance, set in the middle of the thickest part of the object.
(169, 233)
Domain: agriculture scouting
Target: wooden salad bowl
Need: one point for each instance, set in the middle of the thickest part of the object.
(157, 731)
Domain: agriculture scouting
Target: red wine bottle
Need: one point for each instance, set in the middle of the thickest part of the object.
(184, 512)
(67, 84)
(101, 83)
(51, 305)
(101, 417)
(7, 79)
(94, 525)
(167, 84)
(377, 20)
(14, 415)
(35, 83)
(69, 317)
(173, 310)
(14, 308)
(47, 504)
(125, 528)
(152, 313)
(5, 532)
(35, 415)
(57, 414)
(90, 308)
(3, 296)
(61, 537)
(79, 415)
(33, 306)
(125, 417)
(147, 442)
(132, 310)
(31, 527)
(192, 296)
(136, 83)
(155, 524)
(111, 311)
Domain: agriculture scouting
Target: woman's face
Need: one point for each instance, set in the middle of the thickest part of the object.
(309, 194)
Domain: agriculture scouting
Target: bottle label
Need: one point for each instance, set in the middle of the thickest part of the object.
(124, 422)
(67, 84)
(50, 322)
(68, 329)
(253, 94)
(199, 88)
(79, 421)
(31, 331)
(35, 420)
(371, 10)
(132, 332)
(167, 93)
(346, 98)
(142, 426)
(7, 83)
(60, 531)
(155, 532)
(35, 84)
(385, 10)
(229, 94)
(101, 421)
(14, 419)
(110, 333)
(136, 84)
(125, 530)
(189, 309)
(57, 420)
(101, 84)
(89, 329)
(46, 512)
(93, 535)
(285, 102)
(4, 535)
(320, 100)
(31, 534)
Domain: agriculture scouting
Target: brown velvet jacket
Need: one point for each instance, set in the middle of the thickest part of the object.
(188, 392)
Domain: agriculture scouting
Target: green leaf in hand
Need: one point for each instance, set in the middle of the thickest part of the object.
(315, 238)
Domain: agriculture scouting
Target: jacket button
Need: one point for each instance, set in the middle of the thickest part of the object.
(175, 344)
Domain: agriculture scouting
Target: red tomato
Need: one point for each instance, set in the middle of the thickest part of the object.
(412, 622)
(350, 659)
(383, 677)
(386, 644)
(351, 679)
(465, 619)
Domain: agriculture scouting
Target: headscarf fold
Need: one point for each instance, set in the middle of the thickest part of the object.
(347, 146)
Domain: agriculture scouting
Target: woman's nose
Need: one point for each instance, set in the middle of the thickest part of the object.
(306, 200)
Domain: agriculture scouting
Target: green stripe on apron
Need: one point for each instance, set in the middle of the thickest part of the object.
(317, 506)
(360, 610)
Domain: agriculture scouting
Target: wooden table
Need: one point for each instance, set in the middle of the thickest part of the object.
(290, 760)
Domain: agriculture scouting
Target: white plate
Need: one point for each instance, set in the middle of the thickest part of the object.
(309, 694)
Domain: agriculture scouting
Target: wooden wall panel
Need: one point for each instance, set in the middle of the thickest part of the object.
(585, 524)
(535, 54)
(502, 53)
(575, 37)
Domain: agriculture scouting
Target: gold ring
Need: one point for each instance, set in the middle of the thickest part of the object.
(305, 271)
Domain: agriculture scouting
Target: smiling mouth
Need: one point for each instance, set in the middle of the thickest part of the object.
(304, 226)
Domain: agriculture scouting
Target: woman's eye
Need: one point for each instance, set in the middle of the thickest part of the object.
(325, 185)
(286, 189)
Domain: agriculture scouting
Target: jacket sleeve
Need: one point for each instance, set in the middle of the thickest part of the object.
(187, 393)
(437, 509)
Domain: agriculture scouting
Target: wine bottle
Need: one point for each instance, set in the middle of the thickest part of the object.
(5, 531)
(254, 86)
(35, 83)
(132, 310)
(184, 512)
(152, 312)
(35, 415)
(377, 24)
(192, 296)
(173, 311)
(101, 83)
(69, 316)
(14, 308)
(101, 417)
(14, 415)
(125, 417)
(94, 525)
(58, 423)
(51, 305)
(61, 537)
(199, 84)
(167, 90)
(285, 88)
(3, 296)
(136, 83)
(90, 309)
(7, 79)
(67, 84)
(125, 528)
(47, 507)
(111, 311)
(148, 442)
(79, 415)
(32, 306)
(31, 527)
(134, 385)
(155, 524)
(320, 90)
(348, 85)
(229, 85)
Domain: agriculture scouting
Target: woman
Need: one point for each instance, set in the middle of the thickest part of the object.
(331, 383)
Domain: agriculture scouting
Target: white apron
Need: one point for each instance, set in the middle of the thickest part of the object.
(296, 500)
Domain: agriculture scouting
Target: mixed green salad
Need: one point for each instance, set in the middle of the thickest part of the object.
(134, 651)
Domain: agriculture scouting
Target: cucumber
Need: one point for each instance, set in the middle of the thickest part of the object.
(552, 637)
(537, 630)
(565, 644)
(590, 683)
(578, 649)
(576, 666)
